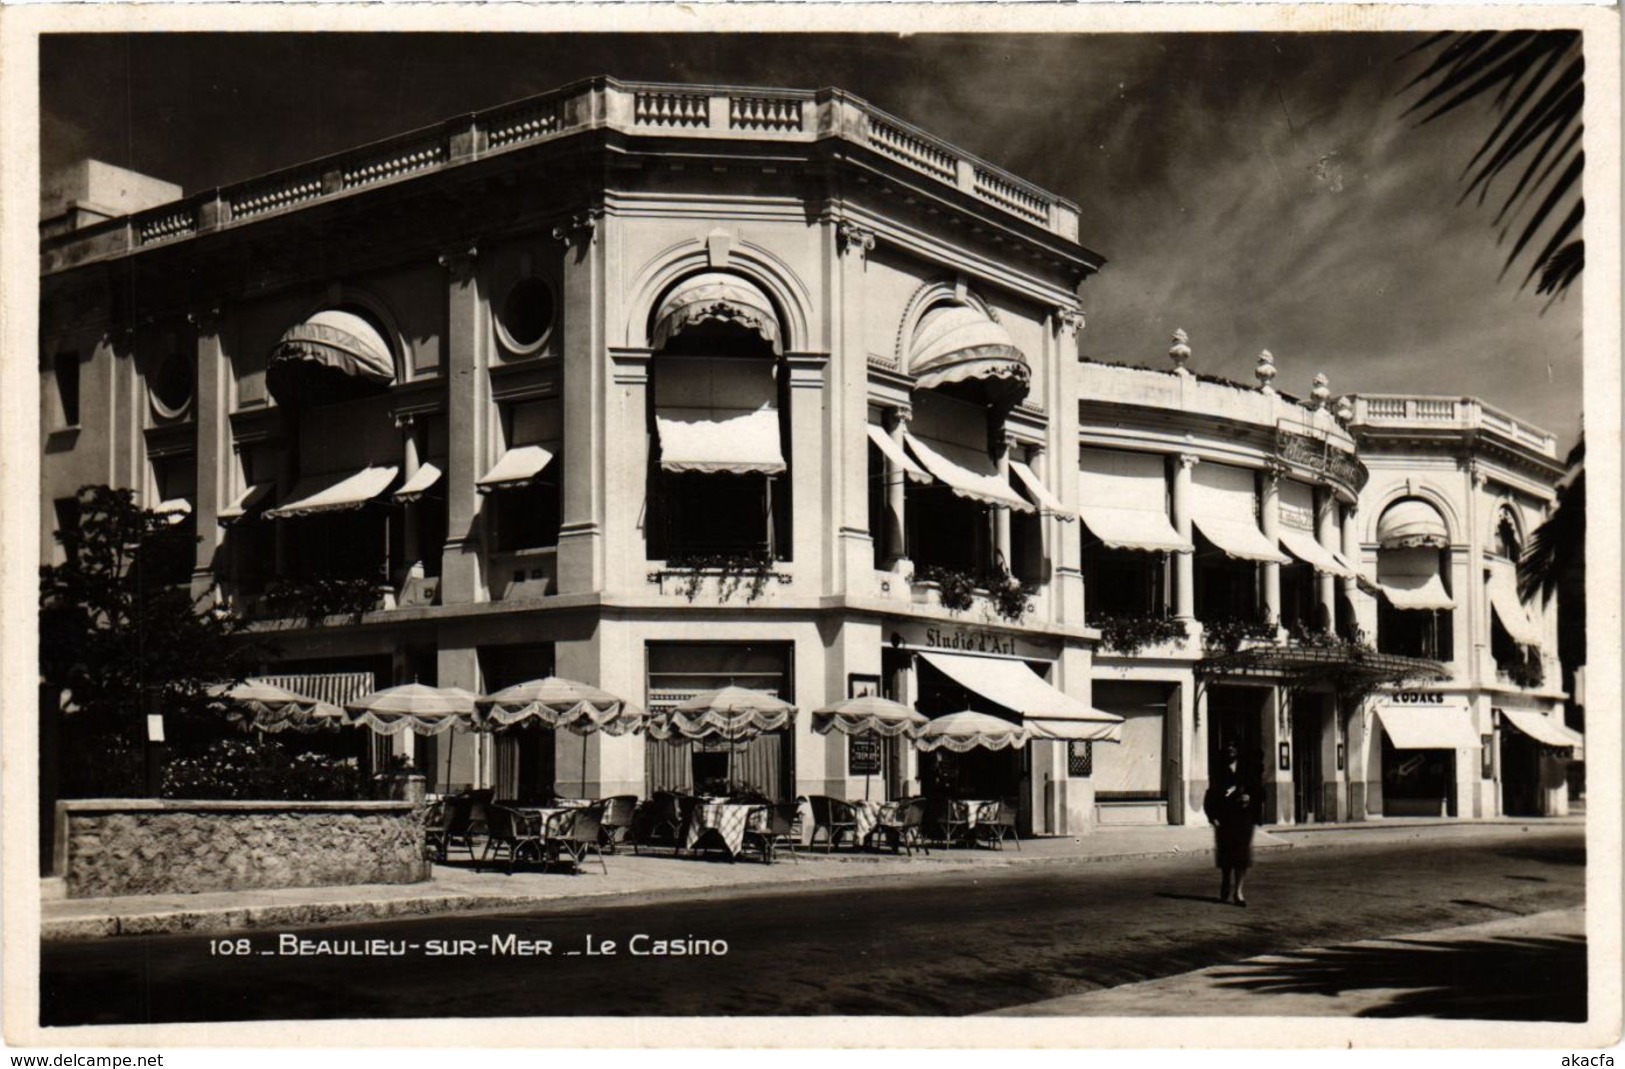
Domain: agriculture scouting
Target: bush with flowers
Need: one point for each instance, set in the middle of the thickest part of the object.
(262, 769)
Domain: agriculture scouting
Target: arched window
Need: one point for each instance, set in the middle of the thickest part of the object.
(718, 478)
(1414, 614)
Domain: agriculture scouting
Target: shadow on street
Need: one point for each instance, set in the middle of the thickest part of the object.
(1508, 979)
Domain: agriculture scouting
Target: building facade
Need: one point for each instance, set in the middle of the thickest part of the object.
(667, 388)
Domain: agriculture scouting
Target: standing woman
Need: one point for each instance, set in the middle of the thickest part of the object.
(1230, 810)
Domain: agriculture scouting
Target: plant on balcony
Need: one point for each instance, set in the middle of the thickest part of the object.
(1129, 633)
(313, 600)
(1527, 669)
(1226, 633)
(957, 588)
(749, 571)
(1011, 598)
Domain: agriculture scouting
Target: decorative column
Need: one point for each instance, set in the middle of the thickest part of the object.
(1471, 618)
(1001, 513)
(1351, 553)
(854, 531)
(897, 497)
(1329, 536)
(581, 555)
(411, 460)
(1269, 520)
(1184, 560)
(214, 456)
(1066, 551)
(466, 419)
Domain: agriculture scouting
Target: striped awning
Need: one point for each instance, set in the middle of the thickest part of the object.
(336, 688)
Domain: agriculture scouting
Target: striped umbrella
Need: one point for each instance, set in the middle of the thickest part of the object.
(580, 708)
(261, 706)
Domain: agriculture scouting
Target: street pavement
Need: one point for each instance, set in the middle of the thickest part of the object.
(962, 938)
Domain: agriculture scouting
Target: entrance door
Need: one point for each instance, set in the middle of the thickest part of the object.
(1236, 714)
(1307, 724)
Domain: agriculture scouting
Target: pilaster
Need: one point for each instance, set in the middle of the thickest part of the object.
(848, 410)
(215, 485)
(467, 418)
(807, 476)
(1269, 519)
(581, 556)
(1184, 560)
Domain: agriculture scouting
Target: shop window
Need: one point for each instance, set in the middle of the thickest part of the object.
(718, 514)
(1226, 589)
(679, 670)
(880, 519)
(948, 531)
(65, 370)
(525, 517)
(1414, 633)
(1300, 602)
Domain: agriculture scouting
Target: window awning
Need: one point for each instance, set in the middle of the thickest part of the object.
(895, 455)
(968, 473)
(418, 485)
(519, 466)
(1133, 529)
(1510, 609)
(1432, 727)
(175, 509)
(958, 342)
(720, 440)
(1243, 541)
(1546, 731)
(1016, 687)
(1048, 503)
(336, 492)
(248, 503)
(1307, 548)
(330, 355)
(1412, 523)
(717, 297)
(1414, 592)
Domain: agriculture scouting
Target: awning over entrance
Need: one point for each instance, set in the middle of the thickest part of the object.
(894, 454)
(967, 473)
(335, 492)
(1431, 727)
(1243, 541)
(247, 504)
(518, 467)
(717, 297)
(418, 485)
(1416, 592)
(1048, 712)
(1343, 664)
(1546, 731)
(1048, 503)
(958, 342)
(1510, 609)
(330, 356)
(720, 440)
(1307, 548)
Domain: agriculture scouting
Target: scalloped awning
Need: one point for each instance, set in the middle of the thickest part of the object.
(957, 342)
(1412, 523)
(717, 297)
(333, 355)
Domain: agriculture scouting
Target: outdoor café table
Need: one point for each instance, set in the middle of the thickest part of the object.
(965, 812)
(868, 814)
(726, 822)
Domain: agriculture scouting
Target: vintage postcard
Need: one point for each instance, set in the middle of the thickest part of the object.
(825, 526)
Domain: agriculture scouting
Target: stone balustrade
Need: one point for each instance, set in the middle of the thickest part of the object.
(639, 108)
(109, 847)
(1456, 413)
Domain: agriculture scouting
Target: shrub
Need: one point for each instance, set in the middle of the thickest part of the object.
(247, 769)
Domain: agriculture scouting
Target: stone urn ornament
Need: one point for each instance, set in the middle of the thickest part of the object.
(1265, 371)
(1322, 390)
(1180, 351)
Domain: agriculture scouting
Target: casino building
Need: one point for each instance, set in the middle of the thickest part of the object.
(671, 387)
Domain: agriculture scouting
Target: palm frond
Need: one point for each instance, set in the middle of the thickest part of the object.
(1555, 544)
(1535, 82)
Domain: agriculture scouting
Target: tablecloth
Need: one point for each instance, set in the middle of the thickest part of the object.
(727, 821)
(868, 814)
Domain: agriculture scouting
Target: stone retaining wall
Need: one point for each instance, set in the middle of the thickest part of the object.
(108, 847)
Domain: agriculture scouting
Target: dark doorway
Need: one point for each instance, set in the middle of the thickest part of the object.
(1237, 719)
(1308, 724)
(1520, 773)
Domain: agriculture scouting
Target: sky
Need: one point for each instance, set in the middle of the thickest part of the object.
(1257, 190)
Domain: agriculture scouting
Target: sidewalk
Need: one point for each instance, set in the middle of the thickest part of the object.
(459, 888)
(1422, 974)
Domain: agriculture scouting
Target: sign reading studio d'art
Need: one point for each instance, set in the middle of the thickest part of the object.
(972, 640)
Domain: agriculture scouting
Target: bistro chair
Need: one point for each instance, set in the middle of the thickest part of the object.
(835, 819)
(947, 819)
(617, 823)
(509, 832)
(575, 834)
(996, 821)
(448, 827)
(479, 803)
(778, 828)
(661, 821)
(902, 831)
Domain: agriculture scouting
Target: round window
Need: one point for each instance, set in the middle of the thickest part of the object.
(171, 384)
(527, 315)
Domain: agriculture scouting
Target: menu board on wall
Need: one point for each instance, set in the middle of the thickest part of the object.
(863, 755)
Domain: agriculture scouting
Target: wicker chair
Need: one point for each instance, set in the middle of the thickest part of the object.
(903, 831)
(511, 833)
(479, 804)
(943, 816)
(996, 822)
(834, 818)
(446, 825)
(779, 829)
(617, 823)
(662, 820)
(575, 834)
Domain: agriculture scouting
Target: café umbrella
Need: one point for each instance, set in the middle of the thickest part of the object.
(731, 713)
(415, 707)
(256, 705)
(871, 716)
(579, 708)
(964, 731)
